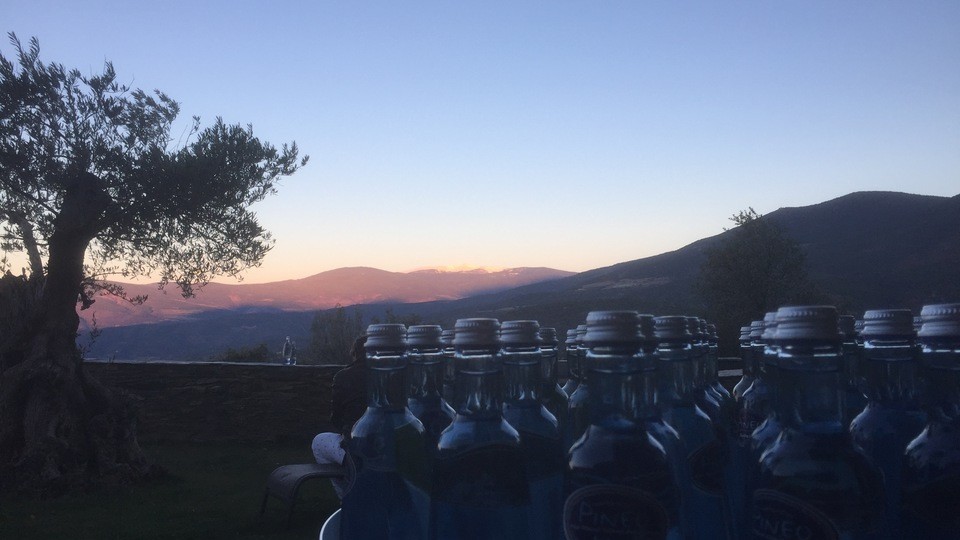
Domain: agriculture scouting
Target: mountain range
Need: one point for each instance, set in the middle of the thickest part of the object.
(863, 250)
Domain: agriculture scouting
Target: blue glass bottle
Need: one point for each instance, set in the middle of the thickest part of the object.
(748, 370)
(620, 483)
(570, 358)
(388, 498)
(701, 464)
(449, 372)
(578, 406)
(712, 378)
(767, 432)
(814, 482)
(539, 433)
(894, 415)
(551, 394)
(480, 488)
(856, 401)
(426, 363)
(931, 470)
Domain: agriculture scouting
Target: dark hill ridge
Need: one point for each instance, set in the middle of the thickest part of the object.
(866, 250)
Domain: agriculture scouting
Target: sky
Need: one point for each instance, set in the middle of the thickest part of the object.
(572, 135)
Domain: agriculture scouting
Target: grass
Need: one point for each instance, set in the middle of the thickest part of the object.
(213, 491)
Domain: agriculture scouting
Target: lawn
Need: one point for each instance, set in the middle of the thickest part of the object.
(212, 491)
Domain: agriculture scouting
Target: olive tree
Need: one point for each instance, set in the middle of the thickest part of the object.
(92, 183)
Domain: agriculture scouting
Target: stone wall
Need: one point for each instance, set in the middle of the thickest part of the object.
(223, 401)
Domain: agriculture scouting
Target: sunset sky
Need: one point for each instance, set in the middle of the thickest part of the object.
(572, 135)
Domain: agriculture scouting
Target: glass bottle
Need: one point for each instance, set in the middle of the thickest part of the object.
(757, 400)
(388, 497)
(578, 406)
(620, 483)
(539, 434)
(767, 432)
(856, 401)
(551, 395)
(700, 469)
(931, 470)
(893, 416)
(746, 358)
(449, 372)
(426, 363)
(570, 357)
(480, 486)
(814, 482)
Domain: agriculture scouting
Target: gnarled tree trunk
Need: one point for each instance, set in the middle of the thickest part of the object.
(59, 428)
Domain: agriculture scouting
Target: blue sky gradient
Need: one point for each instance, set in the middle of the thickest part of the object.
(566, 134)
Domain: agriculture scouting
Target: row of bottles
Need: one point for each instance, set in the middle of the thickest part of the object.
(469, 435)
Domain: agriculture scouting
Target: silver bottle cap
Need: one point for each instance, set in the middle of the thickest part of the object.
(446, 337)
(424, 335)
(612, 327)
(940, 320)
(744, 333)
(807, 323)
(693, 326)
(571, 338)
(672, 327)
(520, 333)
(756, 330)
(549, 336)
(385, 336)
(581, 332)
(888, 322)
(647, 327)
(477, 332)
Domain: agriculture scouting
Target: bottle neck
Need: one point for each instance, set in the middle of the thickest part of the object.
(521, 375)
(746, 357)
(425, 374)
(548, 367)
(623, 384)
(386, 381)
(679, 373)
(941, 366)
(891, 372)
(478, 392)
(810, 383)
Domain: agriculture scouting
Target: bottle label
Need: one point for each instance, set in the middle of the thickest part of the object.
(706, 467)
(749, 422)
(777, 516)
(613, 512)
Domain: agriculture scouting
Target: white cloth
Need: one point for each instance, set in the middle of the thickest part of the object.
(327, 450)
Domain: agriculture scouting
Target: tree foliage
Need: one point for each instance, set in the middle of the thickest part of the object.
(754, 269)
(332, 333)
(92, 184)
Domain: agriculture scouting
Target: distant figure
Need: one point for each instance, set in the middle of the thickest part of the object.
(289, 353)
(348, 402)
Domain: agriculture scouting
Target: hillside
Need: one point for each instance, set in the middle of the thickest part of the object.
(865, 250)
(344, 286)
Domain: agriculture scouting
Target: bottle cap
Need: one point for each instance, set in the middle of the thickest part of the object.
(424, 335)
(888, 322)
(940, 320)
(478, 332)
(571, 338)
(693, 326)
(520, 333)
(612, 327)
(385, 336)
(745, 333)
(807, 323)
(446, 337)
(549, 336)
(581, 332)
(647, 327)
(712, 332)
(917, 323)
(847, 326)
(756, 330)
(672, 328)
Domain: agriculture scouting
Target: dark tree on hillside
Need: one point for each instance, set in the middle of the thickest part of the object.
(332, 333)
(91, 184)
(755, 269)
